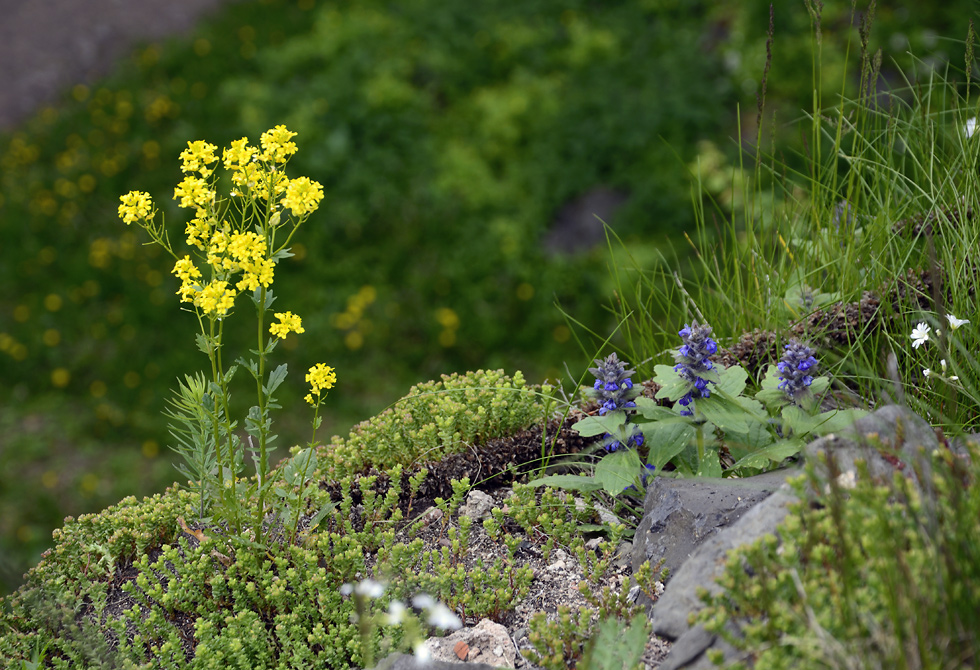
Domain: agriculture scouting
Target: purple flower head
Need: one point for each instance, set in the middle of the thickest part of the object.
(613, 388)
(794, 369)
(634, 440)
(692, 359)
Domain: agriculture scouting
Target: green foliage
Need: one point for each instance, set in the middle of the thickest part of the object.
(611, 633)
(448, 139)
(438, 418)
(167, 601)
(880, 575)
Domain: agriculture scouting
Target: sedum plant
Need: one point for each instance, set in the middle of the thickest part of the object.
(438, 418)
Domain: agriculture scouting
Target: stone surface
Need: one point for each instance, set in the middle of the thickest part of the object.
(48, 45)
(478, 505)
(671, 612)
(680, 514)
(487, 642)
(888, 438)
(578, 225)
(407, 662)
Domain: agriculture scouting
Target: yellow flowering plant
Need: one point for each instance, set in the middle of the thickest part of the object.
(234, 243)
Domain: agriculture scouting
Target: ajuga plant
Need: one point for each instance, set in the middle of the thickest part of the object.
(713, 426)
(237, 239)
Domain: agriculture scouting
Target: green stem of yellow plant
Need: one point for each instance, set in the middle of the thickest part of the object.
(263, 455)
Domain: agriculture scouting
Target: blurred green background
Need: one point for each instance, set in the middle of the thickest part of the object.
(456, 143)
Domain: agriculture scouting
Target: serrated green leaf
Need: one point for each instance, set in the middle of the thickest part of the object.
(616, 471)
(276, 378)
(597, 425)
(819, 385)
(672, 387)
(836, 420)
(649, 409)
(728, 416)
(777, 452)
(281, 254)
(732, 381)
(710, 466)
(773, 398)
(665, 439)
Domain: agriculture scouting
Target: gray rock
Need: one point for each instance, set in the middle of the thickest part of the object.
(680, 514)
(888, 438)
(478, 505)
(485, 642)
(680, 600)
(408, 662)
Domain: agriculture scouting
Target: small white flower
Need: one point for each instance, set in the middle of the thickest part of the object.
(396, 613)
(422, 654)
(920, 335)
(955, 323)
(926, 372)
(370, 588)
(346, 589)
(970, 127)
(423, 601)
(442, 617)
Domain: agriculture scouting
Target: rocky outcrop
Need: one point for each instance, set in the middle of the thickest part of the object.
(694, 524)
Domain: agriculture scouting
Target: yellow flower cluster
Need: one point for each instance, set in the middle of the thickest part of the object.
(136, 206)
(302, 196)
(187, 273)
(288, 323)
(216, 298)
(320, 377)
(228, 248)
(276, 144)
(197, 156)
(194, 192)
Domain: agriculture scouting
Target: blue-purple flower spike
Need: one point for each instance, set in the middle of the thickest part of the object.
(613, 387)
(694, 358)
(796, 369)
(614, 390)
